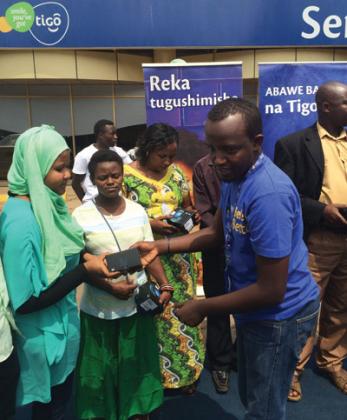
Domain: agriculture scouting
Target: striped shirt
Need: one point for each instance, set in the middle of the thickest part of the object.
(129, 227)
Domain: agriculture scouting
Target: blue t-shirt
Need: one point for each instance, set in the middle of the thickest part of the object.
(262, 216)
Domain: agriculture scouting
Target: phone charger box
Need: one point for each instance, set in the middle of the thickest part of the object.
(147, 299)
(182, 219)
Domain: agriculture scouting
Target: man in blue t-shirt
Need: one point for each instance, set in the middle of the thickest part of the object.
(271, 292)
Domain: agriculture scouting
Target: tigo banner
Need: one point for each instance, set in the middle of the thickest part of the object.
(181, 95)
(287, 96)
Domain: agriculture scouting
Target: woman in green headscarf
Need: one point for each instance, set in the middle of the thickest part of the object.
(40, 248)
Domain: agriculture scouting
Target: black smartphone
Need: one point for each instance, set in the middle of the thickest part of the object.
(124, 261)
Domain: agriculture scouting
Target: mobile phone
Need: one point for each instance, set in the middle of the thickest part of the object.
(124, 261)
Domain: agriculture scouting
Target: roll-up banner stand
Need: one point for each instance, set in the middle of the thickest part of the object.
(182, 94)
(287, 96)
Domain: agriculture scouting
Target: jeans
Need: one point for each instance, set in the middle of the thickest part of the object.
(267, 355)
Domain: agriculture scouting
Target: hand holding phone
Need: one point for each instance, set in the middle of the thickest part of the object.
(182, 219)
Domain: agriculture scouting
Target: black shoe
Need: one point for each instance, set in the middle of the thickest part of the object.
(221, 380)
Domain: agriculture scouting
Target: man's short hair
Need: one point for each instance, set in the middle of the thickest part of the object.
(231, 106)
(99, 126)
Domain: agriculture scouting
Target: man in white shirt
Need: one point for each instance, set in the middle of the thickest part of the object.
(105, 138)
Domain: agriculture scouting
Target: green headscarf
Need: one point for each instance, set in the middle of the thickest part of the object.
(35, 152)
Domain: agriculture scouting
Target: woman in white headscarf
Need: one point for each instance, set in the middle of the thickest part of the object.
(40, 249)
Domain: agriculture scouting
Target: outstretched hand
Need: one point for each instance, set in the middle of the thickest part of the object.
(148, 252)
(189, 312)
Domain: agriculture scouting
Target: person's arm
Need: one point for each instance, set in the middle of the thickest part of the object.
(24, 269)
(188, 205)
(89, 271)
(79, 172)
(209, 237)
(312, 210)
(124, 290)
(268, 290)
(59, 289)
(161, 227)
(121, 289)
(202, 198)
(284, 160)
(203, 239)
(76, 185)
(186, 199)
(271, 219)
(126, 158)
(156, 270)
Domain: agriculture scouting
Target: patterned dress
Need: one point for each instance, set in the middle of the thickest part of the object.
(181, 347)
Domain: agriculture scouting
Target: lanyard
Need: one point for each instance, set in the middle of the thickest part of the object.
(113, 234)
(230, 213)
(231, 207)
(108, 225)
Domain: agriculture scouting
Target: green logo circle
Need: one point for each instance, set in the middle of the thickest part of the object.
(20, 16)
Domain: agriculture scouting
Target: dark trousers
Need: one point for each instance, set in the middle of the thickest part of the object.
(9, 374)
(218, 341)
(56, 409)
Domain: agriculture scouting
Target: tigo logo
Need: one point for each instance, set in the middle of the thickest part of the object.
(47, 22)
(51, 23)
